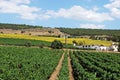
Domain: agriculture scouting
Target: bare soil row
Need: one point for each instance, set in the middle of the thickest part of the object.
(54, 75)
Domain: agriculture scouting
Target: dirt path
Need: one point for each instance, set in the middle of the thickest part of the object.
(70, 68)
(57, 69)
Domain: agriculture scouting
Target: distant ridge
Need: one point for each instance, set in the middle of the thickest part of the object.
(80, 31)
(17, 26)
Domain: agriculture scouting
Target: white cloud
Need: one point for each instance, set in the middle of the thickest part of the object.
(114, 8)
(80, 13)
(95, 8)
(20, 7)
(92, 26)
(19, 1)
(44, 17)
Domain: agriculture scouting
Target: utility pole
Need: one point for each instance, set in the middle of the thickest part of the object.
(65, 40)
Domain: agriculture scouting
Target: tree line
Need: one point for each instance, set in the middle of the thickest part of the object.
(17, 26)
(90, 32)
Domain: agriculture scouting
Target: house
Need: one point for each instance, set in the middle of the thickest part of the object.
(85, 46)
(113, 47)
(102, 48)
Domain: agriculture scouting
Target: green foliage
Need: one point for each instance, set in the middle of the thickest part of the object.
(81, 43)
(64, 72)
(95, 66)
(17, 26)
(28, 44)
(56, 44)
(1, 32)
(114, 38)
(50, 31)
(21, 42)
(74, 42)
(41, 45)
(27, 63)
(22, 31)
(79, 32)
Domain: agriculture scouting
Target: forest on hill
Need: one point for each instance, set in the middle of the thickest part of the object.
(17, 26)
(80, 31)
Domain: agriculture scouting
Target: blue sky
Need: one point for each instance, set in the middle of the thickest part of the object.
(94, 14)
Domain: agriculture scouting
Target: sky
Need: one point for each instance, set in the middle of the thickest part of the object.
(93, 14)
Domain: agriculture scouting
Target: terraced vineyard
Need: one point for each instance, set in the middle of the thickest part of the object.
(95, 66)
(27, 63)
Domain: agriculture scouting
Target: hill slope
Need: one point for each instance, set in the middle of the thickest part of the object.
(79, 32)
(28, 30)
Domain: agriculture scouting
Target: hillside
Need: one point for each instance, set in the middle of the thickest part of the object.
(79, 31)
(95, 34)
(40, 30)
(28, 30)
(33, 31)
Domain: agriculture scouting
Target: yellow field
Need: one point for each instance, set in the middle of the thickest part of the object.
(50, 39)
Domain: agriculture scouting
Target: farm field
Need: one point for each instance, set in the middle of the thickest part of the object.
(22, 42)
(75, 40)
(24, 63)
(27, 63)
(50, 39)
(95, 65)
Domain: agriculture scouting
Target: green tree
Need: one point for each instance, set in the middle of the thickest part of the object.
(56, 44)
(74, 42)
(81, 42)
(41, 45)
(28, 44)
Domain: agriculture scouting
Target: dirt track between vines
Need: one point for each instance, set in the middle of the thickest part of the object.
(70, 68)
(57, 69)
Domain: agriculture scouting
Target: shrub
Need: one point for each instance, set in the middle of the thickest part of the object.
(1, 71)
(41, 45)
(74, 42)
(56, 44)
(30, 34)
(28, 44)
(22, 31)
(50, 31)
(1, 32)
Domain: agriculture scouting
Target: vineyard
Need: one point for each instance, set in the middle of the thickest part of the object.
(27, 63)
(95, 66)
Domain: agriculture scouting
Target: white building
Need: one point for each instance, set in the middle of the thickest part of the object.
(86, 46)
(114, 47)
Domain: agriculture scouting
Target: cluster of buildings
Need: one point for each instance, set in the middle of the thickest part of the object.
(113, 47)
